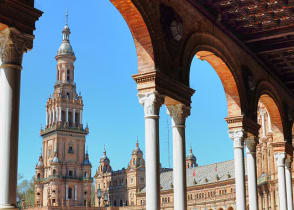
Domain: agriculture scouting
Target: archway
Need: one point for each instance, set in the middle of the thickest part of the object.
(227, 79)
(268, 107)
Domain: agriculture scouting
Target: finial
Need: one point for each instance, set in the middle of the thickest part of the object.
(66, 17)
(104, 151)
(190, 148)
(137, 143)
(87, 149)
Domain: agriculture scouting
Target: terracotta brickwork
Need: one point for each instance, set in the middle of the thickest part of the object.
(63, 173)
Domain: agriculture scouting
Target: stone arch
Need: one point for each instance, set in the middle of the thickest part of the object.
(230, 208)
(268, 96)
(220, 208)
(207, 47)
(140, 32)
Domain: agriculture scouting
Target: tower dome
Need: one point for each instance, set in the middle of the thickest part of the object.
(40, 162)
(191, 159)
(65, 47)
(137, 150)
(55, 159)
(87, 161)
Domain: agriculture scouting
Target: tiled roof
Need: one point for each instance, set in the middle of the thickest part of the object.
(201, 175)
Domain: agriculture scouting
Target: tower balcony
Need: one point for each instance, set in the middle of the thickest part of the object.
(58, 177)
(65, 127)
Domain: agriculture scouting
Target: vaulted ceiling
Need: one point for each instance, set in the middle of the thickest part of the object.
(266, 27)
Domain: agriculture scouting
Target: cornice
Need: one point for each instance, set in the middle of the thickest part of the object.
(243, 122)
(156, 81)
(15, 13)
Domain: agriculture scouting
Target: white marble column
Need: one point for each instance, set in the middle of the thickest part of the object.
(152, 102)
(53, 116)
(73, 116)
(66, 115)
(12, 46)
(250, 143)
(59, 114)
(280, 162)
(238, 139)
(47, 119)
(76, 192)
(288, 177)
(66, 191)
(179, 113)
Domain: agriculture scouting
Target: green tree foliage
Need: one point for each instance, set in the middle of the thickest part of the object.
(26, 190)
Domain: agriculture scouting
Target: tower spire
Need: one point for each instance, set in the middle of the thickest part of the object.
(66, 16)
(137, 143)
(104, 151)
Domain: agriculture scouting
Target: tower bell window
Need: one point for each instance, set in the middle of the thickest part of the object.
(70, 150)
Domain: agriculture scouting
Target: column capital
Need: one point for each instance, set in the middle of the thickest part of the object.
(238, 137)
(178, 113)
(151, 102)
(251, 142)
(280, 158)
(13, 44)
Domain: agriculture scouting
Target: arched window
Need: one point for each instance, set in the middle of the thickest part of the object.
(38, 175)
(69, 193)
(121, 203)
(54, 172)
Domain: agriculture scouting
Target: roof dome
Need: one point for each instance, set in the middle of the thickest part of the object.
(40, 162)
(65, 49)
(137, 150)
(87, 161)
(55, 159)
(104, 157)
(191, 156)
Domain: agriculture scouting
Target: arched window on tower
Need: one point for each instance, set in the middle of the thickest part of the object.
(38, 175)
(69, 193)
(54, 172)
(68, 75)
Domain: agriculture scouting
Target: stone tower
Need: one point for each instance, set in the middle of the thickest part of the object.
(191, 160)
(135, 175)
(63, 173)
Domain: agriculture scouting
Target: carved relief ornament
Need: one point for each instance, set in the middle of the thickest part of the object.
(12, 46)
(151, 102)
(280, 159)
(238, 137)
(178, 113)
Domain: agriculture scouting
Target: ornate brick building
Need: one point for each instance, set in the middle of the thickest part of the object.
(208, 186)
(248, 43)
(122, 185)
(63, 173)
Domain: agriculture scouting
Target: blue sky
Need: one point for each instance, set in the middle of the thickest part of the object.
(106, 59)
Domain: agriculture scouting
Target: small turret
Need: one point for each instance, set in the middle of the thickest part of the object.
(191, 160)
(137, 157)
(104, 166)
